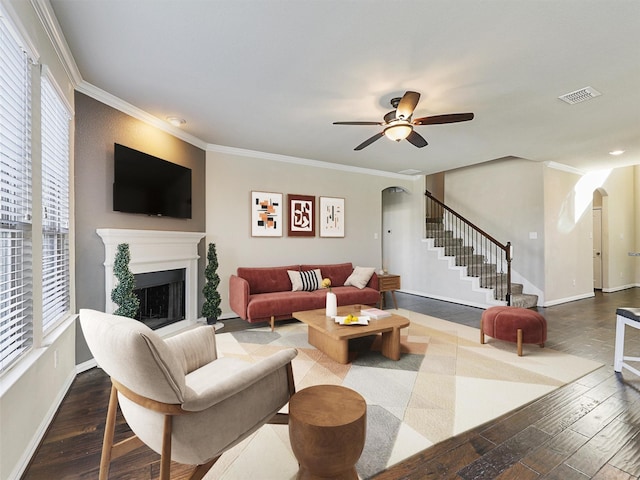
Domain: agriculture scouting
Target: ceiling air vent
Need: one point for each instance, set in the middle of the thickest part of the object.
(586, 93)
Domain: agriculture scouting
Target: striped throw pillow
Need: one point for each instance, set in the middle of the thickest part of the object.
(306, 281)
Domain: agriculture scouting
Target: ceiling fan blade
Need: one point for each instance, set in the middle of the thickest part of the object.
(407, 105)
(357, 123)
(369, 141)
(417, 139)
(439, 119)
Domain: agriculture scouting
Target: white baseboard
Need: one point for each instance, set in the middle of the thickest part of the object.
(84, 366)
(621, 287)
(568, 299)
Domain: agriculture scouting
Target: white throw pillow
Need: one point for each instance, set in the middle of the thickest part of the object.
(306, 281)
(360, 277)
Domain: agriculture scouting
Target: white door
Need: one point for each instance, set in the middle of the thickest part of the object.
(597, 248)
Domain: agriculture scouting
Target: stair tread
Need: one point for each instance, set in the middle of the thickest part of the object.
(487, 273)
(524, 300)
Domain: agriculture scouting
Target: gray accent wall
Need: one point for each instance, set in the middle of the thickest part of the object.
(98, 127)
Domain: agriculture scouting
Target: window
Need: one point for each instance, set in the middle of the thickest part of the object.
(22, 231)
(16, 318)
(55, 205)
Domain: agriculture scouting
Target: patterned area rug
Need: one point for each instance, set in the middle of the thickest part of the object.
(445, 383)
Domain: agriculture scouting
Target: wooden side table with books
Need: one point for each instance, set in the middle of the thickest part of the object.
(388, 283)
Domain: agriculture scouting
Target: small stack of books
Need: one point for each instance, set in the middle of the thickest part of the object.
(374, 313)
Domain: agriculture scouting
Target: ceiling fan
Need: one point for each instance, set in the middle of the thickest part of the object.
(398, 125)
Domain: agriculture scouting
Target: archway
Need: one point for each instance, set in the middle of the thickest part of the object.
(395, 218)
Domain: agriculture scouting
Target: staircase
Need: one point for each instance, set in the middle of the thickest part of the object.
(483, 256)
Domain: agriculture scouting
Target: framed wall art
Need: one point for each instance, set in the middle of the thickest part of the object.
(266, 214)
(302, 213)
(331, 217)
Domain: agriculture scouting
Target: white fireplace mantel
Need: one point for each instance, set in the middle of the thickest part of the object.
(154, 251)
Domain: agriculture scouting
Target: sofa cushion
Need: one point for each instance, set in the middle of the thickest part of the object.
(305, 280)
(336, 272)
(267, 279)
(360, 277)
(279, 304)
(354, 296)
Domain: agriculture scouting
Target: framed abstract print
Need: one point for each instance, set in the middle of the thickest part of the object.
(331, 217)
(266, 214)
(302, 212)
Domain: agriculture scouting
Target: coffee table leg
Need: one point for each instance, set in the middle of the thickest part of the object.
(391, 344)
(338, 350)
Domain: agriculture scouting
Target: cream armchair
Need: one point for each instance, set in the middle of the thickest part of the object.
(177, 396)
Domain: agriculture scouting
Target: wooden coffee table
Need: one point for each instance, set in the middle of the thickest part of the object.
(333, 339)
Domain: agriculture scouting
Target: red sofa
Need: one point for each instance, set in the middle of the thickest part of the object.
(263, 294)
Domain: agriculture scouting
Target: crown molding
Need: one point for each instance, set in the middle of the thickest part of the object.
(50, 23)
(275, 157)
(565, 168)
(135, 112)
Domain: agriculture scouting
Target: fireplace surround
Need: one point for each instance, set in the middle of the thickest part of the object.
(155, 251)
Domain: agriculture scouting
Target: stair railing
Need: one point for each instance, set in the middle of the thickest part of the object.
(484, 256)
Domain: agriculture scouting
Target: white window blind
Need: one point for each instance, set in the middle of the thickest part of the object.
(15, 200)
(55, 206)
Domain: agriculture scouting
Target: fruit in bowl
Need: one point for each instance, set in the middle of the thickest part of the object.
(350, 319)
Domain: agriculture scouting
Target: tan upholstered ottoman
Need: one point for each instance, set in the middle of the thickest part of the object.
(514, 324)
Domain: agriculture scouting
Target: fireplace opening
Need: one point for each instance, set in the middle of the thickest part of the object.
(162, 297)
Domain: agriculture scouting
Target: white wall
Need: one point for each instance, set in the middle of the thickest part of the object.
(30, 392)
(504, 198)
(568, 240)
(232, 177)
(513, 199)
(623, 221)
(31, 398)
(636, 193)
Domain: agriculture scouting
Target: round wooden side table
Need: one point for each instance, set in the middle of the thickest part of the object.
(327, 425)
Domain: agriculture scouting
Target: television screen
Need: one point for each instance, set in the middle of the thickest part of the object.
(149, 185)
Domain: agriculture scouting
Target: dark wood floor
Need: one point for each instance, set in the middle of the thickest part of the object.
(587, 429)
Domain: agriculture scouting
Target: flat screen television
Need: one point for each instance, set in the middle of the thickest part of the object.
(149, 185)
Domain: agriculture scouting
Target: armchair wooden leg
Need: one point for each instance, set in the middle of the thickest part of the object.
(279, 419)
(165, 458)
(109, 428)
(273, 323)
(201, 470)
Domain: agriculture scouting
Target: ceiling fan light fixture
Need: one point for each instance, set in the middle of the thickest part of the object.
(398, 131)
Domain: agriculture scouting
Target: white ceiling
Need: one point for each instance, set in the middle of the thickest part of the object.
(272, 75)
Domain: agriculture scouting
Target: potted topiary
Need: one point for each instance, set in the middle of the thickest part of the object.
(211, 307)
(122, 294)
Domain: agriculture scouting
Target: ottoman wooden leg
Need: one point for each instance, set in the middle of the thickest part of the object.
(519, 342)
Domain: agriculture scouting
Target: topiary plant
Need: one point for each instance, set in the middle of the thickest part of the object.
(122, 294)
(211, 307)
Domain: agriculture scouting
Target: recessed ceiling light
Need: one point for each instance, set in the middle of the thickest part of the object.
(176, 121)
(616, 152)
